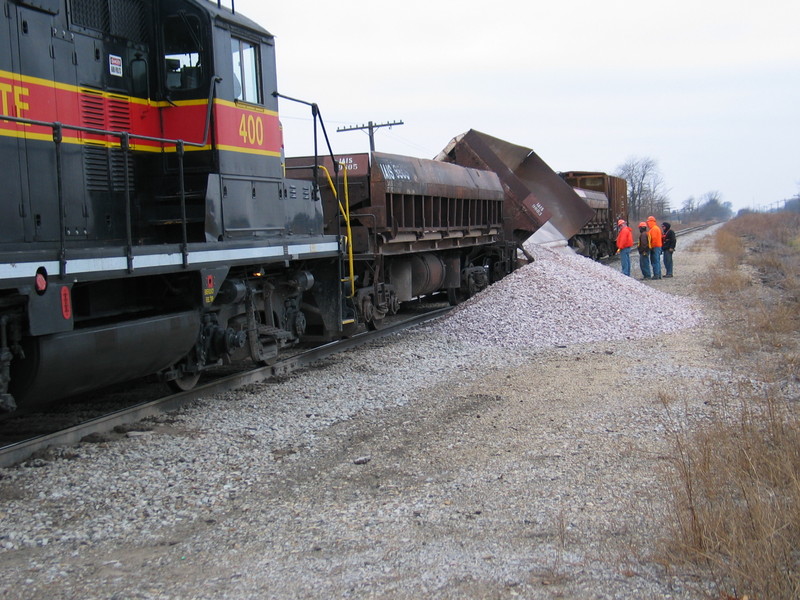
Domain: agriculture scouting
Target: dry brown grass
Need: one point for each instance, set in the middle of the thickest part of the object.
(736, 484)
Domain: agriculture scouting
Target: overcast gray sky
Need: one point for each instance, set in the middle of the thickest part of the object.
(708, 88)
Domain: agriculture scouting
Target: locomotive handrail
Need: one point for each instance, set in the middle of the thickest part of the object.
(117, 134)
(62, 242)
(124, 144)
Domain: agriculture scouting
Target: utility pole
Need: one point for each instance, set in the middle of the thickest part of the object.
(371, 127)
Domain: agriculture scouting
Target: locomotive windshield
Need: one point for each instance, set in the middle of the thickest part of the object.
(183, 51)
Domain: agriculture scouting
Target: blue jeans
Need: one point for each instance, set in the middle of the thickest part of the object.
(644, 265)
(668, 263)
(625, 259)
(655, 261)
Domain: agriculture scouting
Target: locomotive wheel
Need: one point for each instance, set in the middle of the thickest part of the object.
(184, 383)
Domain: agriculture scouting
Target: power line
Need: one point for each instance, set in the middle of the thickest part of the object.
(371, 127)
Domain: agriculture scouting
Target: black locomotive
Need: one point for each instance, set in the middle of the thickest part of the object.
(147, 223)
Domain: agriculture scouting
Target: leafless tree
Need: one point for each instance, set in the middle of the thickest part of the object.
(647, 192)
(712, 196)
(711, 207)
(688, 208)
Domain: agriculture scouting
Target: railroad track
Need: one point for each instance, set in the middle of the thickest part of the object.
(680, 232)
(20, 451)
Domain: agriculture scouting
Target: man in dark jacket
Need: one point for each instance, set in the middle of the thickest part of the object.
(644, 251)
(668, 248)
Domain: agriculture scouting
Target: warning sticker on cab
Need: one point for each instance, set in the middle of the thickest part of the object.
(115, 65)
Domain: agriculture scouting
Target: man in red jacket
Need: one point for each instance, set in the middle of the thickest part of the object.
(624, 245)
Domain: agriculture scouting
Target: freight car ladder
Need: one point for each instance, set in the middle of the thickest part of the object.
(345, 212)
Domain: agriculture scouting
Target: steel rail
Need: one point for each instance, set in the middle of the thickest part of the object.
(681, 232)
(20, 451)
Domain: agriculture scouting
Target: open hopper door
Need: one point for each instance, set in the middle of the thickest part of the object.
(537, 199)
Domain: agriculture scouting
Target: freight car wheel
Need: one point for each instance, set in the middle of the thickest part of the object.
(455, 296)
(375, 324)
(373, 318)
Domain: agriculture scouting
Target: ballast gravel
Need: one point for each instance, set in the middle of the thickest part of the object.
(512, 449)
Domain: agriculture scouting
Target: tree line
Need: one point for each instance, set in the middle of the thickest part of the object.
(648, 195)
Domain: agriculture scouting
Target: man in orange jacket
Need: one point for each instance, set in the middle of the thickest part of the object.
(656, 242)
(624, 245)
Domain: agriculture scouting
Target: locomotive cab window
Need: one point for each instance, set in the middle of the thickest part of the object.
(183, 51)
(246, 71)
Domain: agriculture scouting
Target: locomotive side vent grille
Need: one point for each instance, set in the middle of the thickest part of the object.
(118, 170)
(119, 114)
(92, 109)
(95, 161)
(119, 119)
(105, 169)
(92, 14)
(104, 162)
(95, 156)
(120, 18)
(127, 20)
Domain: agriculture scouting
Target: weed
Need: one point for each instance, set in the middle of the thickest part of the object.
(735, 485)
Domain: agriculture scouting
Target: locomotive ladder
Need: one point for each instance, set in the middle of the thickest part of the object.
(124, 138)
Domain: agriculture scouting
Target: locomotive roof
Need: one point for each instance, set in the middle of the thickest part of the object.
(224, 13)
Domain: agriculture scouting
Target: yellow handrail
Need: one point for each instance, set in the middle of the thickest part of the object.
(345, 210)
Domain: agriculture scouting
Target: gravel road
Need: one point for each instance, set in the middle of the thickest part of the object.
(514, 449)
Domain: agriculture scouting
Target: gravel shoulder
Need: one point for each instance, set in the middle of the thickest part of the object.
(423, 466)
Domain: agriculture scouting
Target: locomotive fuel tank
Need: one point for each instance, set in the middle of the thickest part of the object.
(87, 359)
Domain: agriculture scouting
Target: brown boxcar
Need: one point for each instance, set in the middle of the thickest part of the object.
(608, 197)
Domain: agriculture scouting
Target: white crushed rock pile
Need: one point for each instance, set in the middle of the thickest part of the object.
(563, 298)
